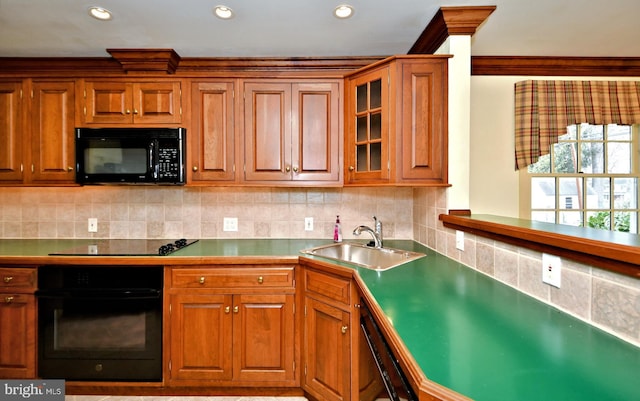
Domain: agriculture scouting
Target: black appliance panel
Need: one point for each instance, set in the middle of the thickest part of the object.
(100, 323)
(130, 155)
(393, 378)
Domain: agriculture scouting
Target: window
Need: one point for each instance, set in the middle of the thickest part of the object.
(589, 179)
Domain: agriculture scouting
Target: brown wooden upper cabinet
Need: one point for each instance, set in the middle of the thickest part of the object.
(36, 131)
(122, 102)
(292, 132)
(211, 139)
(396, 122)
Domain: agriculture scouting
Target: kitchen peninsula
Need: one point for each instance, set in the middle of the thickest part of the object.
(458, 333)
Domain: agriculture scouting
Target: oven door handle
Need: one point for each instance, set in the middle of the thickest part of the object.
(100, 293)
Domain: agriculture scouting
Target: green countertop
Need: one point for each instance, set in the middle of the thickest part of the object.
(466, 331)
(485, 340)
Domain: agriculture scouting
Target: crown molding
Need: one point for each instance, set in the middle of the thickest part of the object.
(146, 60)
(556, 66)
(450, 21)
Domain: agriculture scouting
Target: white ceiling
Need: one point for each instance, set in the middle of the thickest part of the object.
(288, 28)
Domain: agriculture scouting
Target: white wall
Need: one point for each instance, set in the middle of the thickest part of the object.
(493, 187)
(459, 119)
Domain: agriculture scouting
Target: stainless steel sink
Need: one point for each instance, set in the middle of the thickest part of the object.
(365, 256)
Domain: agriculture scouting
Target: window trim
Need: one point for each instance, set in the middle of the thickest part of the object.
(524, 180)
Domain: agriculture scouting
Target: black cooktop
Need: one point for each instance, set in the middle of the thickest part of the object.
(127, 247)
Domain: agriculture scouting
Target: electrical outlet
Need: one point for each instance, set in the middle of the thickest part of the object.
(92, 225)
(230, 224)
(308, 223)
(551, 269)
(460, 240)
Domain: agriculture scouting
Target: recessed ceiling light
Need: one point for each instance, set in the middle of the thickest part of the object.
(343, 11)
(100, 13)
(223, 12)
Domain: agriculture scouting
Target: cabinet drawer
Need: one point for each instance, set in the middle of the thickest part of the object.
(233, 278)
(17, 278)
(328, 286)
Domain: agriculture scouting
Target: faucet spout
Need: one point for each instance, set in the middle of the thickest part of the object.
(376, 234)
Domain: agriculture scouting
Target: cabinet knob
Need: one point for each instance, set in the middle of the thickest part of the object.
(344, 329)
(127, 111)
(201, 280)
(351, 168)
(194, 168)
(260, 280)
(7, 279)
(287, 169)
(227, 309)
(295, 169)
(8, 299)
(135, 111)
(69, 169)
(236, 309)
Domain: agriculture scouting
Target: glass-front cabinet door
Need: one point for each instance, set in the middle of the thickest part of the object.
(367, 150)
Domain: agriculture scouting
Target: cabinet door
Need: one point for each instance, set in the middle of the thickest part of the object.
(11, 132)
(267, 131)
(368, 114)
(316, 139)
(17, 336)
(211, 150)
(327, 348)
(422, 146)
(157, 103)
(263, 340)
(201, 335)
(52, 131)
(108, 103)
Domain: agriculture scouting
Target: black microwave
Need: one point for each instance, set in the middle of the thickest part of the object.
(130, 156)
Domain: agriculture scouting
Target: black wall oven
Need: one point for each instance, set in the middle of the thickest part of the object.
(100, 323)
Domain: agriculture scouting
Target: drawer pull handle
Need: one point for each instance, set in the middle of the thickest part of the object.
(8, 299)
(7, 279)
(201, 281)
(227, 309)
(260, 280)
(236, 309)
(344, 329)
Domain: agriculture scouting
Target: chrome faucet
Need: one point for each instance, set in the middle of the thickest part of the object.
(376, 234)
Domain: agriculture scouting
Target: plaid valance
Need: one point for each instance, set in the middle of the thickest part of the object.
(544, 110)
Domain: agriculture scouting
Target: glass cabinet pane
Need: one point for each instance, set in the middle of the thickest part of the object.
(361, 128)
(361, 155)
(376, 156)
(361, 98)
(375, 95)
(375, 128)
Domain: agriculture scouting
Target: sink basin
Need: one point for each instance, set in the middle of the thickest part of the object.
(365, 256)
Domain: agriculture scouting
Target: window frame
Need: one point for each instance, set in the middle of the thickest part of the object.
(525, 209)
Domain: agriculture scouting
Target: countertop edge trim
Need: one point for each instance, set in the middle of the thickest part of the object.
(619, 258)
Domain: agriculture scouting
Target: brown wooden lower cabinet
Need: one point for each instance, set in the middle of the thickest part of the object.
(17, 323)
(231, 327)
(334, 369)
